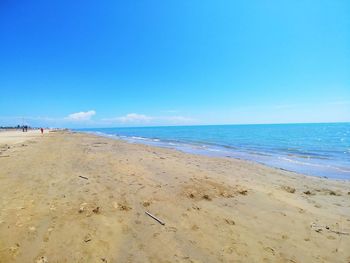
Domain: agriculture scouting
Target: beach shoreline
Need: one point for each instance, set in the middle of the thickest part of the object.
(320, 150)
(77, 197)
(127, 140)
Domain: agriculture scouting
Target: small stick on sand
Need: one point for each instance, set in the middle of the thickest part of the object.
(155, 218)
(340, 232)
(4, 155)
(84, 177)
(318, 228)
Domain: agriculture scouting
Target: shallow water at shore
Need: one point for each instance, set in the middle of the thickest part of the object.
(311, 149)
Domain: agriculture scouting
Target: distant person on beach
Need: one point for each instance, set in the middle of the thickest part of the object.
(42, 130)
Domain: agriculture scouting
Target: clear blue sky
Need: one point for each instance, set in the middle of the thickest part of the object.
(131, 63)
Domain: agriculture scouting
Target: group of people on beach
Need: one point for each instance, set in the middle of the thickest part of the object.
(25, 129)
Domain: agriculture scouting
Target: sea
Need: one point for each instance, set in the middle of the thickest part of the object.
(316, 149)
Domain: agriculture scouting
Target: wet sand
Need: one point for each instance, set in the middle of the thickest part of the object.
(71, 197)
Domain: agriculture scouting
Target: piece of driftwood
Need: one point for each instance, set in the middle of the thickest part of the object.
(4, 155)
(84, 177)
(155, 218)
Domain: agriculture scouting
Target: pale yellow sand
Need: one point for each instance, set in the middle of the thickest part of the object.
(12, 137)
(214, 209)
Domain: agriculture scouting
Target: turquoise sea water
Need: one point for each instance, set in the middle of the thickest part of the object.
(311, 149)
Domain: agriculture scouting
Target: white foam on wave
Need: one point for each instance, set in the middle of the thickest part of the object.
(344, 170)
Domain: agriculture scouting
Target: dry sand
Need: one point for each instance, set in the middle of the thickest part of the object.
(214, 209)
(12, 137)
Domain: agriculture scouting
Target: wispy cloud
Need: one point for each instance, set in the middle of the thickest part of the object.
(132, 118)
(81, 116)
(85, 118)
(135, 118)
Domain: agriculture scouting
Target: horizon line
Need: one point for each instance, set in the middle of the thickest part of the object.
(195, 125)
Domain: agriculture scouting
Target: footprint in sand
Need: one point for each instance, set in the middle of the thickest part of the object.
(87, 238)
(269, 249)
(171, 229)
(206, 197)
(14, 250)
(42, 259)
(195, 227)
(146, 203)
(124, 207)
(230, 222)
(229, 250)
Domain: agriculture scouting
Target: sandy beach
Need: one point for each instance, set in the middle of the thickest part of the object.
(73, 197)
(17, 136)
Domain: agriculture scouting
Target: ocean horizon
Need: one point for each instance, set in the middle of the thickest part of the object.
(316, 149)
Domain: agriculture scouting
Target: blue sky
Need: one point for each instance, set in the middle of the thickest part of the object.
(135, 63)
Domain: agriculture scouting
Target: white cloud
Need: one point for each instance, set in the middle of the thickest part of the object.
(134, 117)
(81, 116)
